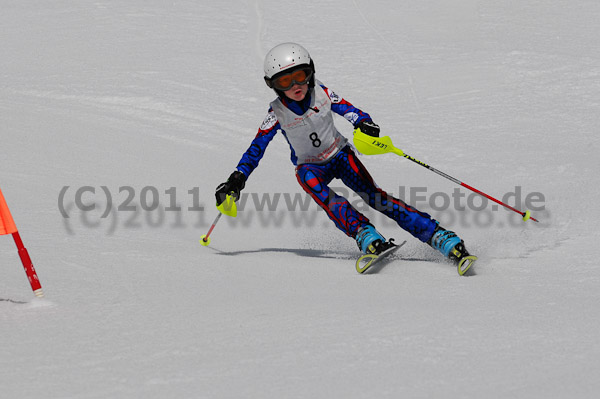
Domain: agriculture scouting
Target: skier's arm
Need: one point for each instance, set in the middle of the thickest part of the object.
(257, 148)
(360, 119)
(237, 180)
(346, 109)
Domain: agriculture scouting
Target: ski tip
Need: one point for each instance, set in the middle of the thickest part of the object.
(364, 263)
(465, 264)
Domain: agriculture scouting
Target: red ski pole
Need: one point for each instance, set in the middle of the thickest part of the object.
(205, 239)
(370, 145)
(228, 208)
(526, 215)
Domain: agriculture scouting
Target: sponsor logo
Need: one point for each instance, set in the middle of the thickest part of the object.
(287, 66)
(334, 97)
(269, 122)
(337, 144)
(297, 123)
(351, 117)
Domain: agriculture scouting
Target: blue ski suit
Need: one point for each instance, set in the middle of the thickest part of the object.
(335, 159)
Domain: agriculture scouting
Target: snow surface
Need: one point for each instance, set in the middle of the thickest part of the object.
(167, 95)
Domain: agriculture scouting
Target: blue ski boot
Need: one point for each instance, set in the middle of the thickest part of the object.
(374, 246)
(452, 247)
(369, 241)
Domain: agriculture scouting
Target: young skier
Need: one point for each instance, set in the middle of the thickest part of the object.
(302, 112)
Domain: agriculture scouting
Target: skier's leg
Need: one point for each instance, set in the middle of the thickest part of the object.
(354, 174)
(314, 179)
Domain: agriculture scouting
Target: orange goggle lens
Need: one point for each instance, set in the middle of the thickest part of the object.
(287, 81)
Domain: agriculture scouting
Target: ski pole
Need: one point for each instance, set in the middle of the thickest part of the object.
(227, 207)
(205, 239)
(370, 145)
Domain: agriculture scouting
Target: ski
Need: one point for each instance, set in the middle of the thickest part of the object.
(365, 262)
(463, 259)
(464, 265)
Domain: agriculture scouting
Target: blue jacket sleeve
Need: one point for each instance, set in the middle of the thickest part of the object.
(345, 109)
(257, 148)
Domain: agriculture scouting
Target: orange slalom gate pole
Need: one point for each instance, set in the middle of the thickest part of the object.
(7, 226)
(36, 286)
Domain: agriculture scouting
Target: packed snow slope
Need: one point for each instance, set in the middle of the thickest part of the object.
(118, 120)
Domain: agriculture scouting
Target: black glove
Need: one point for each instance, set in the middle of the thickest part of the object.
(234, 184)
(368, 127)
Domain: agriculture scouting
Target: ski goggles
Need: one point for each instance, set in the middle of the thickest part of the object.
(286, 81)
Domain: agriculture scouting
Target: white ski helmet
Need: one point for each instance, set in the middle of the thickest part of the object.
(286, 57)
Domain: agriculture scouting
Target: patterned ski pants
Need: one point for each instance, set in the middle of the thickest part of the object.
(315, 179)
